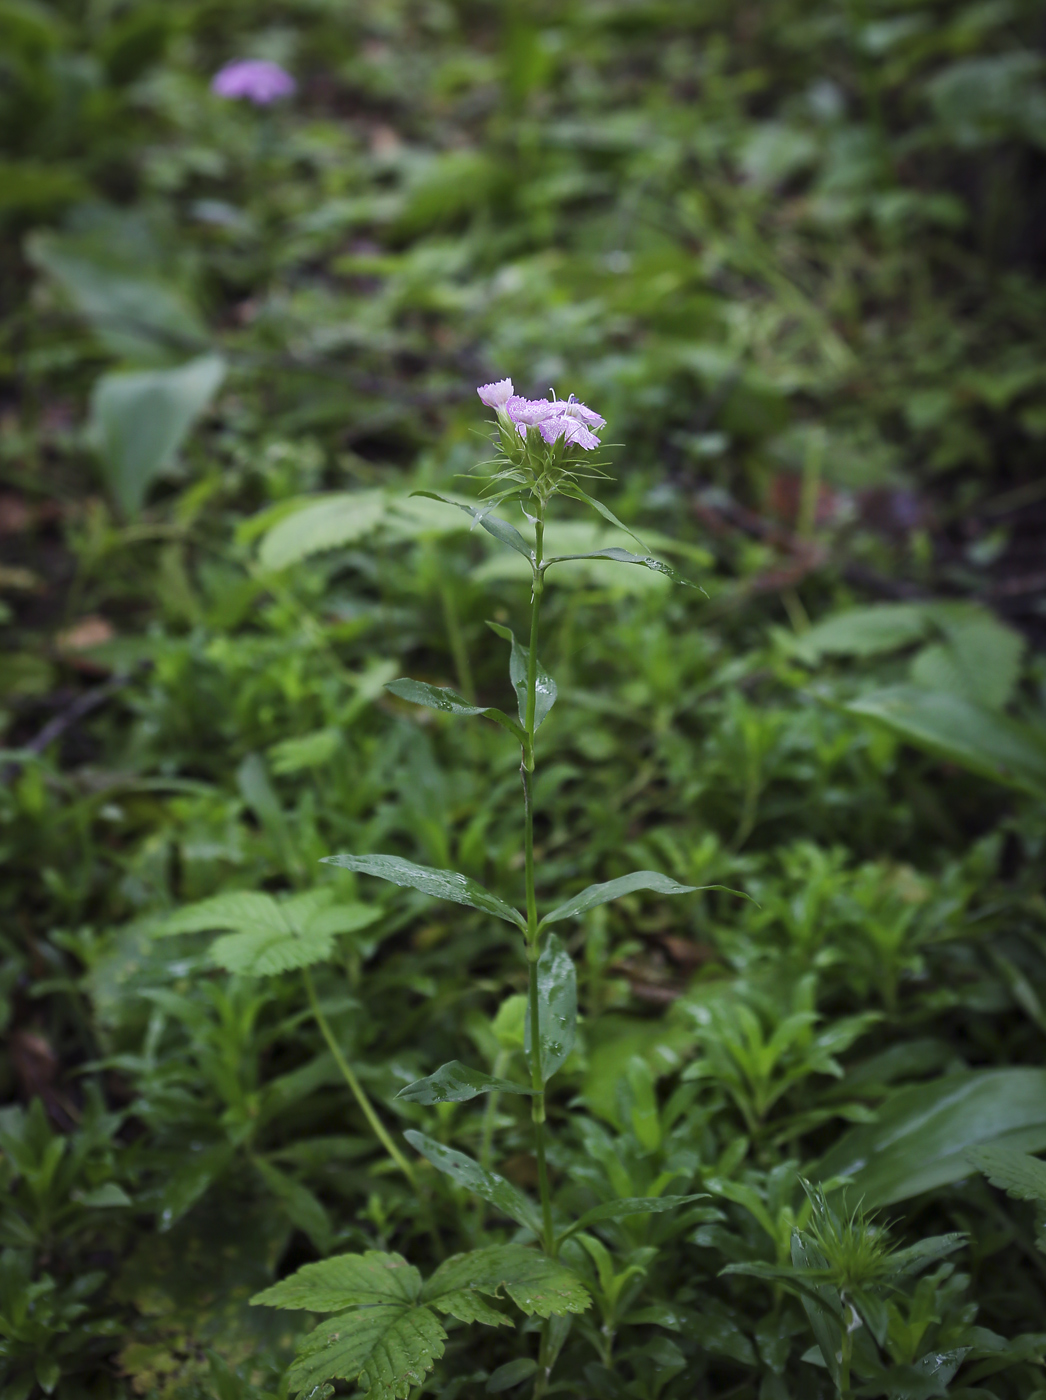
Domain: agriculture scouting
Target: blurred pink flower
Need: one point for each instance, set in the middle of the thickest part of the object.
(256, 79)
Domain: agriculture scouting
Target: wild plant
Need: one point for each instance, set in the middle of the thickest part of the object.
(385, 1332)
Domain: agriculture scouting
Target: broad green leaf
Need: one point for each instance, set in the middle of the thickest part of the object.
(440, 884)
(534, 1282)
(923, 1134)
(493, 524)
(386, 1350)
(954, 729)
(322, 523)
(557, 1007)
(629, 1205)
(347, 1280)
(614, 889)
(436, 697)
(492, 1188)
(239, 909)
(979, 661)
(139, 420)
(264, 954)
(457, 1083)
(544, 685)
(870, 631)
(1017, 1173)
(624, 556)
(572, 489)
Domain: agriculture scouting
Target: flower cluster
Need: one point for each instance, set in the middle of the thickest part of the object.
(553, 418)
(255, 79)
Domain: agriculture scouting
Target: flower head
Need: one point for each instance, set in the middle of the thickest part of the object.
(573, 409)
(569, 429)
(527, 413)
(496, 395)
(255, 79)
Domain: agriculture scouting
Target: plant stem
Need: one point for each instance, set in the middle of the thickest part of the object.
(526, 773)
(380, 1131)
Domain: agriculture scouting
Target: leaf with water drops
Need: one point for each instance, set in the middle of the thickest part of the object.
(557, 1007)
(624, 556)
(449, 702)
(493, 524)
(534, 1282)
(492, 1188)
(440, 884)
(624, 884)
(457, 1083)
(519, 660)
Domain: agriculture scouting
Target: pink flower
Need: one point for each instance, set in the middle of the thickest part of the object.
(255, 79)
(527, 413)
(570, 429)
(496, 395)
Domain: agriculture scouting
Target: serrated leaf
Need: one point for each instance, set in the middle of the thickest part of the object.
(614, 889)
(493, 524)
(239, 909)
(624, 556)
(544, 685)
(534, 1282)
(323, 522)
(262, 953)
(630, 1205)
(449, 702)
(440, 884)
(557, 1007)
(347, 1280)
(386, 1350)
(1017, 1173)
(457, 1083)
(492, 1188)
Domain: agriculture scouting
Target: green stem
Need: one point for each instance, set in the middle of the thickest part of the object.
(380, 1131)
(526, 772)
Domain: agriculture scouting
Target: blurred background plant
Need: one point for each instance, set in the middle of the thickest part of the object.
(794, 252)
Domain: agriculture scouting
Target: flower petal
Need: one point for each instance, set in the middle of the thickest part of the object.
(496, 395)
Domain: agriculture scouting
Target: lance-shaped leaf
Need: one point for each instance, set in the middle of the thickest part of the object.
(629, 1205)
(440, 884)
(623, 556)
(457, 1083)
(387, 1347)
(573, 489)
(544, 685)
(269, 936)
(448, 701)
(534, 1282)
(614, 889)
(492, 1188)
(557, 1007)
(493, 524)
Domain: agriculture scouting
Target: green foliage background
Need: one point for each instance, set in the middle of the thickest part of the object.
(794, 253)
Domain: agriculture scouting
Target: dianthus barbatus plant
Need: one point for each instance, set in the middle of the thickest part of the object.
(386, 1331)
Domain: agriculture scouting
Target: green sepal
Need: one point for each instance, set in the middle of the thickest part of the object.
(440, 884)
(457, 1083)
(519, 660)
(492, 1188)
(449, 702)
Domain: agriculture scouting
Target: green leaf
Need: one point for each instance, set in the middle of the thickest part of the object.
(104, 1197)
(630, 1205)
(440, 884)
(1017, 1173)
(979, 661)
(920, 1256)
(194, 1174)
(513, 1373)
(614, 889)
(923, 1134)
(493, 524)
(139, 421)
(347, 1280)
(457, 1083)
(450, 703)
(321, 523)
(492, 1188)
(820, 1303)
(572, 489)
(954, 729)
(557, 1007)
(303, 1208)
(623, 556)
(386, 1350)
(534, 1282)
(544, 685)
(867, 631)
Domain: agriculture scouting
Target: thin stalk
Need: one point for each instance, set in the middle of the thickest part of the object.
(380, 1131)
